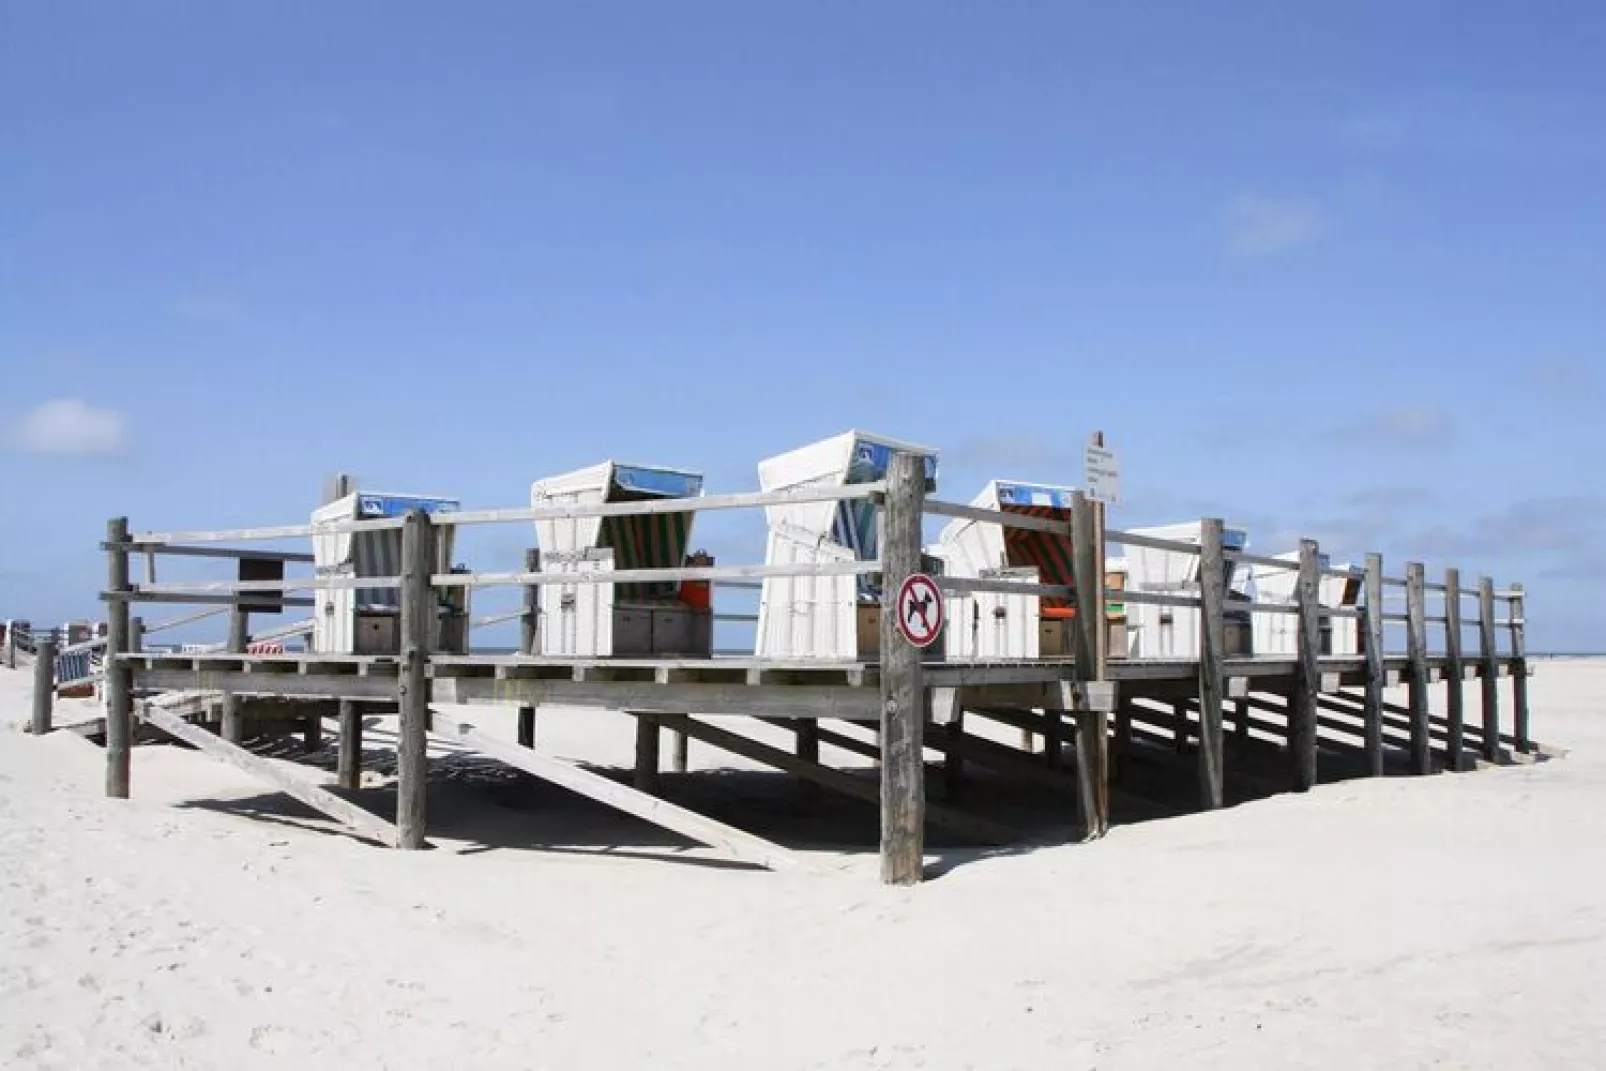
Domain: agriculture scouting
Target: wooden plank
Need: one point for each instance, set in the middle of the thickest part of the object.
(863, 788)
(1376, 673)
(174, 550)
(1132, 539)
(1454, 674)
(1416, 651)
(1001, 757)
(1490, 669)
(348, 761)
(1212, 662)
(1307, 690)
(279, 775)
(119, 678)
(1519, 669)
(728, 840)
(412, 687)
(779, 701)
(903, 693)
(312, 686)
(626, 576)
(704, 504)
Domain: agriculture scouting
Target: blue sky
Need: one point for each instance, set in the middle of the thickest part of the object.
(1327, 271)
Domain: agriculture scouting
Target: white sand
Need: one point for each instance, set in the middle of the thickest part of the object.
(1451, 921)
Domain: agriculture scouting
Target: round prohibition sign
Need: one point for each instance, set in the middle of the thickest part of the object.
(920, 610)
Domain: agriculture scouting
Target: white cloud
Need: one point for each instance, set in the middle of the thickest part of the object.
(1260, 226)
(1412, 428)
(70, 427)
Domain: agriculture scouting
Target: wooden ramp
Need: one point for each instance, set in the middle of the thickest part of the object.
(282, 777)
(728, 840)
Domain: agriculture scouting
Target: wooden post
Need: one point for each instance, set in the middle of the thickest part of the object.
(1416, 650)
(44, 684)
(1308, 676)
(1180, 731)
(1519, 669)
(1376, 672)
(136, 634)
(1240, 719)
(11, 645)
(526, 726)
(647, 740)
(903, 695)
(1489, 669)
(808, 749)
(530, 622)
(348, 762)
(1453, 675)
(1092, 726)
(312, 734)
(1212, 661)
(1123, 738)
(239, 634)
(119, 688)
(412, 694)
(679, 746)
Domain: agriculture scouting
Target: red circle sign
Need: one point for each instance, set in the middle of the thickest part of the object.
(920, 610)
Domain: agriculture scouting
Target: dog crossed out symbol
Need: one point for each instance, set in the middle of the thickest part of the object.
(919, 605)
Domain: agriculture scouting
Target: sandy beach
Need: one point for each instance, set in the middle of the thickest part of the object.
(1447, 921)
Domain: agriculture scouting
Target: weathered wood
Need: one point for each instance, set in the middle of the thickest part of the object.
(530, 620)
(282, 776)
(1092, 772)
(647, 741)
(728, 840)
(1519, 669)
(136, 634)
(1123, 738)
(1489, 659)
(1454, 676)
(807, 732)
(412, 685)
(44, 684)
(312, 733)
(526, 726)
(903, 695)
(1376, 673)
(1416, 651)
(1212, 661)
(239, 635)
(119, 690)
(1092, 743)
(679, 748)
(1180, 741)
(847, 784)
(1307, 679)
(1000, 757)
(348, 760)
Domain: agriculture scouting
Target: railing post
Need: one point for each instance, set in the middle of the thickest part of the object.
(1488, 670)
(239, 635)
(1416, 650)
(903, 695)
(1212, 660)
(1376, 667)
(1092, 726)
(1308, 676)
(1519, 668)
(412, 688)
(44, 684)
(11, 645)
(530, 622)
(136, 635)
(1454, 675)
(119, 689)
